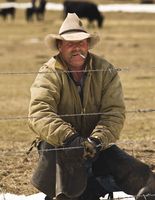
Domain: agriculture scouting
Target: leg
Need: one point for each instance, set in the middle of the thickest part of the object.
(129, 173)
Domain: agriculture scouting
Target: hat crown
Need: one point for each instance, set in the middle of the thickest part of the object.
(72, 23)
(71, 30)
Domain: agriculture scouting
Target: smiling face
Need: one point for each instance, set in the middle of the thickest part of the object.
(74, 52)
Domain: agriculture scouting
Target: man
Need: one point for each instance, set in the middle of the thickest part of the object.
(77, 111)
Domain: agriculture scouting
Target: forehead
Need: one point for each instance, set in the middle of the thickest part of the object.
(74, 42)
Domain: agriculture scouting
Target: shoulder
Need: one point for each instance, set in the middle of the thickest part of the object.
(48, 73)
(49, 65)
(102, 64)
(52, 64)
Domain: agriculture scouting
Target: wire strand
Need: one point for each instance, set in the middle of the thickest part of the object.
(8, 118)
(65, 71)
(11, 152)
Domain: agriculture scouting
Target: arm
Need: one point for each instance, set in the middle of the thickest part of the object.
(112, 106)
(43, 108)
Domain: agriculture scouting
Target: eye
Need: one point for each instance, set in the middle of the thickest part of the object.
(70, 44)
(81, 43)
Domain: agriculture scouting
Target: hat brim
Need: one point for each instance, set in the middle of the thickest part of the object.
(50, 39)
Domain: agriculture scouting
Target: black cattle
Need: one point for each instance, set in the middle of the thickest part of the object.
(29, 14)
(5, 12)
(39, 12)
(84, 9)
(131, 175)
(147, 1)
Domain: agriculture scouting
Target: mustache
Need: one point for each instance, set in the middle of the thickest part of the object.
(80, 54)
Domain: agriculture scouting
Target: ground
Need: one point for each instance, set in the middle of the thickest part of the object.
(127, 41)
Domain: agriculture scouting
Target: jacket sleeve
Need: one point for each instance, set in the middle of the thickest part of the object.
(112, 109)
(43, 113)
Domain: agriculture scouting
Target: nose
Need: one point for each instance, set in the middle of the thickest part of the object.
(77, 47)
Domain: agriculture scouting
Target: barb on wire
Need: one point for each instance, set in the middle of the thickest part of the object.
(141, 110)
(76, 114)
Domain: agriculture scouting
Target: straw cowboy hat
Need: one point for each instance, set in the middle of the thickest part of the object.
(71, 30)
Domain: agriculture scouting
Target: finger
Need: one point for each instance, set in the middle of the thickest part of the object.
(89, 154)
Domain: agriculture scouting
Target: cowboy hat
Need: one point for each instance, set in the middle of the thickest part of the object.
(71, 30)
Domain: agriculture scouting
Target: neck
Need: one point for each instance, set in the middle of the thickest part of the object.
(77, 72)
(77, 75)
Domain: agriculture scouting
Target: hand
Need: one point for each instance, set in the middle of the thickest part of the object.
(91, 148)
(73, 147)
(74, 141)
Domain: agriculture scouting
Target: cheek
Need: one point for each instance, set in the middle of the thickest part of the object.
(63, 49)
(85, 47)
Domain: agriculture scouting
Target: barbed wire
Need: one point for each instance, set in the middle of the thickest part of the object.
(26, 152)
(64, 71)
(119, 69)
(68, 71)
(76, 114)
(11, 152)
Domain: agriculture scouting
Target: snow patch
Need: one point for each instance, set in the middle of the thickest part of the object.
(41, 196)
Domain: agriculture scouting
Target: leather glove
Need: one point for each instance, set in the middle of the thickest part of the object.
(92, 146)
(74, 141)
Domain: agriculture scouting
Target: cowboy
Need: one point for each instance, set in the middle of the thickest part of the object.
(77, 112)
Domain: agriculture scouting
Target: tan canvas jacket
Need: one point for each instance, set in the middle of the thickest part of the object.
(56, 110)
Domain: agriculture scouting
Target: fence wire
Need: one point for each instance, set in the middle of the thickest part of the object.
(64, 71)
(115, 68)
(12, 152)
(118, 69)
(9, 118)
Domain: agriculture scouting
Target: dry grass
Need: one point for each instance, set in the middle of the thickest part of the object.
(127, 40)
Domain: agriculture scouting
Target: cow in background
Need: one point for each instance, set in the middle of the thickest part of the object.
(5, 12)
(84, 9)
(147, 1)
(38, 11)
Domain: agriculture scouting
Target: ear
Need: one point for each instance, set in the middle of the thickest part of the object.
(58, 44)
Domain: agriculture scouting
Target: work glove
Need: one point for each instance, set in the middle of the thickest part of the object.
(92, 146)
(74, 141)
(73, 146)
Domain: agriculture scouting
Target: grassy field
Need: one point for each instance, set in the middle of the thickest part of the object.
(127, 41)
